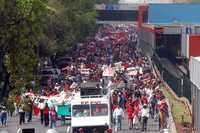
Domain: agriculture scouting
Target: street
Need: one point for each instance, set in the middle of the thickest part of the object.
(13, 126)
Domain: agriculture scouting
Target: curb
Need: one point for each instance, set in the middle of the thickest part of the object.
(171, 123)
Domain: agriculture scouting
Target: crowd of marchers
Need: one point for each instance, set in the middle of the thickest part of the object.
(114, 48)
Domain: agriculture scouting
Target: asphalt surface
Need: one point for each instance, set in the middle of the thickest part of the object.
(152, 127)
(13, 126)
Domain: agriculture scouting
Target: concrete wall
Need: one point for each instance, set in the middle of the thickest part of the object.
(146, 41)
(195, 76)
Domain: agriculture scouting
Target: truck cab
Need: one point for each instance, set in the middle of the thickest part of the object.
(90, 111)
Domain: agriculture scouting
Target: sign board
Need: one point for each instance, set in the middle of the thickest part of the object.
(85, 71)
(64, 110)
(91, 102)
(109, 72)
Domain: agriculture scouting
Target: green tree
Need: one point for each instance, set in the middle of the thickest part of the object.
(21, 25)
(33, 28)
(107, 1)
(71, 22)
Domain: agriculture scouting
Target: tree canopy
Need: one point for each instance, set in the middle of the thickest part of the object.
(29, 28)
(21, 26)
(107, 1)
(71, 22)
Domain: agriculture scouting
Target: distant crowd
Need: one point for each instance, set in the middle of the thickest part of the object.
(113, 48)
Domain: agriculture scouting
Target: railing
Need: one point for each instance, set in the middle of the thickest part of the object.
(90, 96)
(180, 84)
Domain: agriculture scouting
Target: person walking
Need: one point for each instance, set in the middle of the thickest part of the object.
(41, 106)
(21, 113)
(136, 117)
(129, 110)
(46, 115)
(118, 115)
(30, 110)
(153, 103)
(145, 116)
(53, 116)
(3, 117)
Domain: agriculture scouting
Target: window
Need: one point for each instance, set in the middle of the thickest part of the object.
(81, 110)
(47, 72)
(117, 15)
(99, 109)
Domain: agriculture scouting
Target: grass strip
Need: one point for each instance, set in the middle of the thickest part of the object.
(179, 110)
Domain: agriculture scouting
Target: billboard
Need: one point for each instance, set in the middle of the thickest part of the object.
(174, 13)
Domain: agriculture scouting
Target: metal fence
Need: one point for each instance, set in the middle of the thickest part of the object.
(179, 83)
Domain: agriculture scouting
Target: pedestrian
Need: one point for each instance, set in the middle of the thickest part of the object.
(136, 117)
(145, 116)
(3, 117)
(129, 110)
(41, 106)
(53, 116)
(11, 106)
(46, 115)
(118, 115)
(30, 110)
(153, 102)
(21, 113)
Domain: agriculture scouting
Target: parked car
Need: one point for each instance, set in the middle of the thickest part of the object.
(63, 62)
(49, 75)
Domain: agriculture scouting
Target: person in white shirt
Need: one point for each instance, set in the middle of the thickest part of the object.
(118, 115)
(41, 106)
(145, 116)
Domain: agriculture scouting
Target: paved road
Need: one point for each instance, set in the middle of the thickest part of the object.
(152, 127)
(13, 126)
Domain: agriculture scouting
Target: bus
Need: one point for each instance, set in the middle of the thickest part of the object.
(89, 112)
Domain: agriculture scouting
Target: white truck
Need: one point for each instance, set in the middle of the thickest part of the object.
(89, 112)
(195, 78)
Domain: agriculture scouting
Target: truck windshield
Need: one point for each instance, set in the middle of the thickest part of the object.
(81, 110)
(99, 109)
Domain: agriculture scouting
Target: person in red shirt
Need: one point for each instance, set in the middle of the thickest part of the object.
(136, 111)
(163, 107)
(144, 99)
(129, 109)
(46, 115)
